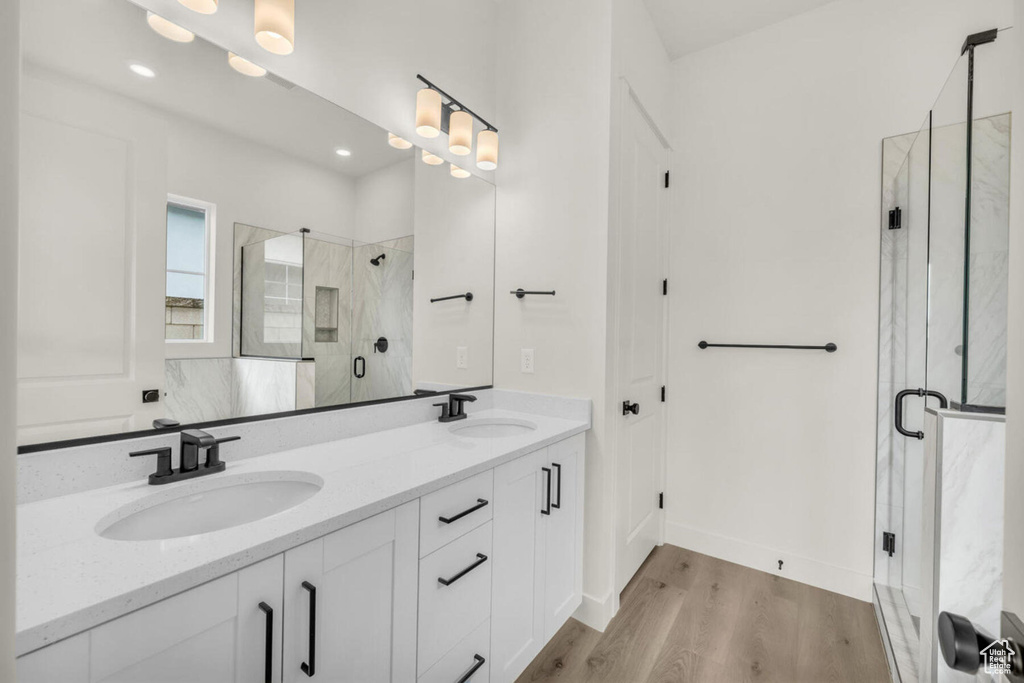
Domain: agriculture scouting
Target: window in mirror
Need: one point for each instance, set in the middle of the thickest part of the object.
(189, 236)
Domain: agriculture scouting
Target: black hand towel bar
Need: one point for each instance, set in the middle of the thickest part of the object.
(830, 347)
(468, 296)
(520, 293)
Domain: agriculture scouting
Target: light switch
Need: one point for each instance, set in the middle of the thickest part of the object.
(526, 361)
(462, 357)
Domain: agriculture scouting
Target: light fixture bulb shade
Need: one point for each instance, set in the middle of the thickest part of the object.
(459, 173)
(487, 150)
(397, 142)
(460, 133)
(428, 113)
(244, 66)
(275, 25)
(431, 159)
(201, 6)
(169, 30)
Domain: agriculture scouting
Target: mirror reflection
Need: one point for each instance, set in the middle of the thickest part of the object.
(202, 240)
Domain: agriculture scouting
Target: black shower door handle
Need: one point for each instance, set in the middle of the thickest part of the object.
(943, 403)
(359, 367)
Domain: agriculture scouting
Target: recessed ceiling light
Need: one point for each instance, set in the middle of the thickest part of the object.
(169, 30)
(342, 152)
(142, 70)
(244, 66)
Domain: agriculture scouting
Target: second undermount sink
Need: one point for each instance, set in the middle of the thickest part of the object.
(200, 507)
(491, 428)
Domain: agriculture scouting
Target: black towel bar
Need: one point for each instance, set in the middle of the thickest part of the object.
(520, 293)
(468, 296)
(830, 347)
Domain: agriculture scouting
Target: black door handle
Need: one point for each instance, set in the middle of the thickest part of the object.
(469, 674)
(628, 408)
(310, 668)
(546, 510)
(480, 559)
(359, 367)
(943, 403)
(558, 488)
(480, 502)
(268, 651)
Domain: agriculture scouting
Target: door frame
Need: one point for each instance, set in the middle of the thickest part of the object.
(627, 97)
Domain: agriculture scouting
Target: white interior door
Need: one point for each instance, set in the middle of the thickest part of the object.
(91, 264)
(641, 324)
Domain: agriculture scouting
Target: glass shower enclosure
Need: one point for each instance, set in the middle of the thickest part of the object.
(942, 310)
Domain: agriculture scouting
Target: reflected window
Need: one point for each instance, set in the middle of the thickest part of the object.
(187, 314)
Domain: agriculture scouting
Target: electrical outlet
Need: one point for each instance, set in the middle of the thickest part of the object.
(462, 357)
(526, 361)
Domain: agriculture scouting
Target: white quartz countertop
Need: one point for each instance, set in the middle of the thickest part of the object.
(71, 579)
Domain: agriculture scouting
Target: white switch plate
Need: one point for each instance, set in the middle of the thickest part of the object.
(462, 357)
(526, 361)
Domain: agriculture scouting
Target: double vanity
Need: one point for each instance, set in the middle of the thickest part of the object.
(419, 551)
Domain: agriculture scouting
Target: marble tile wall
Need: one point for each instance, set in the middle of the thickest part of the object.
(327, 264)
(198, 389)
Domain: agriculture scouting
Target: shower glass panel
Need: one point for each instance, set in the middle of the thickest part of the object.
(272, 298)
(327, 315)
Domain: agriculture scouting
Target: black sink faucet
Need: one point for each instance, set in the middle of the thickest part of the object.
(455, 408)
(192, 440)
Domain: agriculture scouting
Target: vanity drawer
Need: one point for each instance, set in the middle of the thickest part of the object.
(466, 505)
(449, 613)
(463, 658)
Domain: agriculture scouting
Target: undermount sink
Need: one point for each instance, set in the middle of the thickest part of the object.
(220, 502)
(491, 428)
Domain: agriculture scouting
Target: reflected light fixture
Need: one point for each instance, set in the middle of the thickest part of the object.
(245, 67)
(459, 173)
(428, 113)
(342, 152)
(431, 159)
(460, 133)
(142, 70)
(397, 142)
(201, 6)
(487, 150)
(275, 25)
(169, 30)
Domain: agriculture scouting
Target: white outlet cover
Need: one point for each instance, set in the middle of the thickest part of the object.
(526, 361)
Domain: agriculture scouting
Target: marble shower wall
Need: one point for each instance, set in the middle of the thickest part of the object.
(327, 325)
(382, 307)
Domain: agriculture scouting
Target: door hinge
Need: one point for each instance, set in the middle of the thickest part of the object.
(888, 542)
(661, 501)
(666, 178)
(663, 393)
(664, 287)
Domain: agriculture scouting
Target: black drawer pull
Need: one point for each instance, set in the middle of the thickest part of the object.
(469, 674)
(558, 490)
(480, 502)
(310, 668)
(547, 500)
(481, 558)
(268, 651)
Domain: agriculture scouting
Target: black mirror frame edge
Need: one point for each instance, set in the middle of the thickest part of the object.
(124, 436)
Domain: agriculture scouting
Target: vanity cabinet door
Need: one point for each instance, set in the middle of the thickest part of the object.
(563, 535)
(517, 593)
(350, 602)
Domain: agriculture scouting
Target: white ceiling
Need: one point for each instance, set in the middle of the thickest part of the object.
(686, 26)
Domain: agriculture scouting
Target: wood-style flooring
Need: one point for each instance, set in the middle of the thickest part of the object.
(690, 617)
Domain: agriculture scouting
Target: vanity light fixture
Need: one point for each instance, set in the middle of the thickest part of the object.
(459, 173)
(142, 70)
(201, 6)
(342, 152)
(431, 159)
(434, 116)
(245, 67)
(169, 30)
(397, 142)
(274, 25)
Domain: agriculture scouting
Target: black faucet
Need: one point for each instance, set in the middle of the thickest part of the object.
(192, 440)
(455, 408)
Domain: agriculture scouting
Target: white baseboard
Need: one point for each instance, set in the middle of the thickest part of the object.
(596, 612)
(795, 567)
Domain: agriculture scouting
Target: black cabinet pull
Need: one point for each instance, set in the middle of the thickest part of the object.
(268, 652)
(469, 674)
(358, 371)
(480, 502)
(547, 501)
(558, 489)
(481, 558)
(310, 668)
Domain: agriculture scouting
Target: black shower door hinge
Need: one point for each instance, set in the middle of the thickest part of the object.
(662, 393)
(888, 542)
(666, 178)
(664, 287)
(661, 501)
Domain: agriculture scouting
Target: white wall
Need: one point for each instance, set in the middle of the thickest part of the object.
(1013, 572)
(776, 240)
(9, 76)
(384, 203)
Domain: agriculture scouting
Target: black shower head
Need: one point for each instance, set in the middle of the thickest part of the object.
(376, 261)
